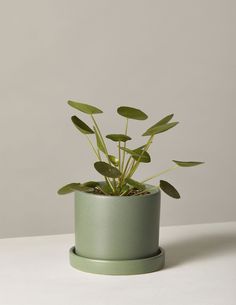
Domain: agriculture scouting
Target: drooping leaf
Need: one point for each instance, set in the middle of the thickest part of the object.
(136, 153)
(107, 170)
(91, 183)
(187, 163)
(100, 144)
(79, 124)
(135, 184)
(71, 187)
(114, 160)
(163, 121)
(84, 107)
(159, 129)
(169, 189)
(117, 137)
(132, 113)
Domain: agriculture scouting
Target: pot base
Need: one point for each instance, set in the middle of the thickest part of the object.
(118, 267)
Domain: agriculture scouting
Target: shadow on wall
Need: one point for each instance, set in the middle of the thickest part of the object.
(199, 248)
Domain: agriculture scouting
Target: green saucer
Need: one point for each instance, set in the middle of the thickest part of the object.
(118, 267)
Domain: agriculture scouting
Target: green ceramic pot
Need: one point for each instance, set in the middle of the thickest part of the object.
(117, 235)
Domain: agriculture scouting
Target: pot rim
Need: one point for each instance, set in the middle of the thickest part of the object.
(152, 193)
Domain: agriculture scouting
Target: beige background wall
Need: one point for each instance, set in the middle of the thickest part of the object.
(161, 56)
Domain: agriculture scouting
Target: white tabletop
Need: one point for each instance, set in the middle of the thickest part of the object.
(200, 269)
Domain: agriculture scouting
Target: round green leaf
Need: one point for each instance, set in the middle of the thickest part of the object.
(132, 113)
(79, 124)
(71, 187)
(84, 107)
(118, 137)
(107, 170)
(159, 128)
(114, 160)
(169, 189)
(145, 157)
(136, 153)
(187, 163)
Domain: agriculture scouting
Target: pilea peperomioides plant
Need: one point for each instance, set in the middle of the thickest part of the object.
(118, 170)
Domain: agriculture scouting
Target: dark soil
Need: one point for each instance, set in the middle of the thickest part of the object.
(133, 192)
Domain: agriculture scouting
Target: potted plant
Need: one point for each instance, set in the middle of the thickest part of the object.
(117, 219)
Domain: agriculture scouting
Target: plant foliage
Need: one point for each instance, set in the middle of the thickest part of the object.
(118, 170)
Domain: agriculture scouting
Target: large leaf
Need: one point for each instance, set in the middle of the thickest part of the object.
(114, 160)
(163, 121)
(107, 170)
(100, 144)
(71, 187)
(84, 107)
(169, 189)
(159, 128)
(187, 163)
(136, 153)
(118, 137)
(135, 184)
(132, 113)
(84, 128)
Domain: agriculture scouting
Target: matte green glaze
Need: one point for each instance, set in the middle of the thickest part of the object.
(118, 267)
(117, 228)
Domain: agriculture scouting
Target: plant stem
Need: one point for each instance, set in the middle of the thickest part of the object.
(94, 150)
(160, 173)
(119, 156)
(101, 137)
(136, 165)
(106, 153)
(130, 168)
(125, 170)
(126, 130)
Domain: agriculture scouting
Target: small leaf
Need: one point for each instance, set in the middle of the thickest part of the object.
(114, 160)
(187, 163)
(145, 157)
(118, 137)
(84, 107)
(71, 187)
(107, 170)
(105, 188)
(159, 128)
(91, 183)
(163, 121)
(132, 113)
(169, 189)
(84, 128)
(136, 153)
(135, 184)
(100, 144)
